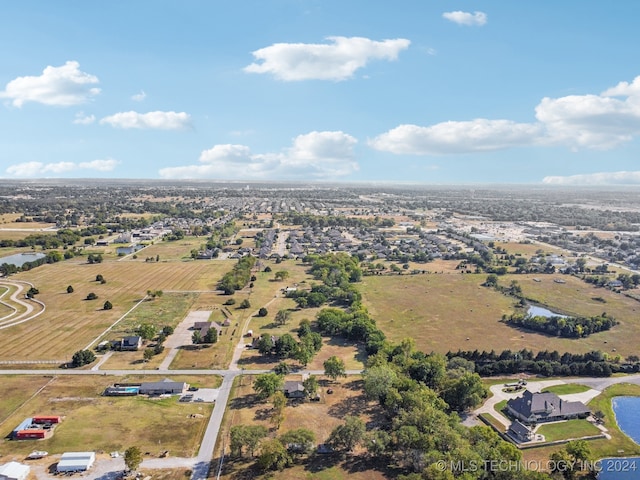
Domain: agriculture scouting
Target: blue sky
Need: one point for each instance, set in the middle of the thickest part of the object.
(330, 90)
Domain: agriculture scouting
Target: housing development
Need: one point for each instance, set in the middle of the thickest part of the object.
(219, 330)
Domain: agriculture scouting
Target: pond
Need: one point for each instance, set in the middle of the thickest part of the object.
(129, 250)
(535, 311)
(625, 409)
(20, 259)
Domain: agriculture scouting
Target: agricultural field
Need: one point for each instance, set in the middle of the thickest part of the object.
(179, 250)
(452, 311)
(320, 417)
(89, 422)
(77, 321)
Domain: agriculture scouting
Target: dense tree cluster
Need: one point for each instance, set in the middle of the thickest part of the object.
(560, 326)
(82, 357)
(238, 277)
(508, 362)
(355, 325)
(322, 221)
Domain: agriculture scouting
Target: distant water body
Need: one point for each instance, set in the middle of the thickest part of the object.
(535, 311)
(20, 259)
(626, 409)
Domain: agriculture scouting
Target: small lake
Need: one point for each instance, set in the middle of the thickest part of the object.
(20, 259)
(535, 311)
(129, 250)
(625, 409)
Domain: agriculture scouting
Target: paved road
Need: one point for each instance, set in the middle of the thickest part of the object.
(17, 297)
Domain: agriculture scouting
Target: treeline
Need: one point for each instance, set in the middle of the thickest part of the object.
(508, 362)
(355, 325)
(322, 221)
(567, 327)
(240, 276)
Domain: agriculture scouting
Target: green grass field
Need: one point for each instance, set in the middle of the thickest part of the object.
(567, 430)
(566, 389)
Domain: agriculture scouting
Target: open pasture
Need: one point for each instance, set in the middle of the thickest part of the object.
(71, 322)
(90, 423)
(451, 312)
(172, 251)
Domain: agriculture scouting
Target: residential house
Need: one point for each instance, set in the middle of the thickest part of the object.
(293, 389)
(165, 387)
(131, 343)
(545, 407)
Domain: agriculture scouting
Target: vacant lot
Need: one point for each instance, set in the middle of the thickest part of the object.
(452, 311)
(320, 417)
(90, 421)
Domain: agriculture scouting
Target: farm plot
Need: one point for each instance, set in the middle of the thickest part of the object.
(93, 422)
(71, 322)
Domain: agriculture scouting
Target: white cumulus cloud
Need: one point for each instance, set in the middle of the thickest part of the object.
(62, 86)
(478, 135)
(337, 60)
(601, 178)
(82, 119)
(466, 18)
(315, 155)
(138, 97)
(590, 121)
(41, 169)
(152, 120)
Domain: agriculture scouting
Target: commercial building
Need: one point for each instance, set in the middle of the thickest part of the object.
(14, 471)
(76, 461)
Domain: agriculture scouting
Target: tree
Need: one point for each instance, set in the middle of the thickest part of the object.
(265, 344)
(146, 330)
(267, 384)
(92, 296)
(99, 278)
(107, 305)
(246, 436)
(282, 317)
(310, 385)
(267, 269)
(282, 369)
(281, 275)
(298, 441)
(334, 368)
(263, 312)
(132, 458)
(274, 456)
(211, 336)
(167, 330)
(345, 437)
(196, 337)
(245, 303)
(464, 392)
(277, 412)
(69, 289)
(148, 354)
(377, 382)
(82, 357)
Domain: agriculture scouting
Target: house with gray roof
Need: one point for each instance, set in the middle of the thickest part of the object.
(545, 407)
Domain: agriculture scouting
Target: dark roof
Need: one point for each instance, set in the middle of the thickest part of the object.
(520, 429)
(293, 386)
(131, 341)
(545, 404)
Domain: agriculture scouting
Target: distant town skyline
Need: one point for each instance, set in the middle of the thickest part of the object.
(321, 90)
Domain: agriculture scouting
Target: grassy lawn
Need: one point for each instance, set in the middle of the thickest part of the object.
(565, 430)
(500, 406)
(566, 389)
(493, 421)
(89, 422)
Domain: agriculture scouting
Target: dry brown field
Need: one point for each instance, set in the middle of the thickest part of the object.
(529, 250)
(71, 322)
(319, 417)
(453, 311)
(89, 422)
(177, 250)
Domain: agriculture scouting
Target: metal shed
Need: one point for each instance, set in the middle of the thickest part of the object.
(76, 461)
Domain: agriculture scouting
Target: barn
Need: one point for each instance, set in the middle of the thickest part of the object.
(14, 471)
(76, 461)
